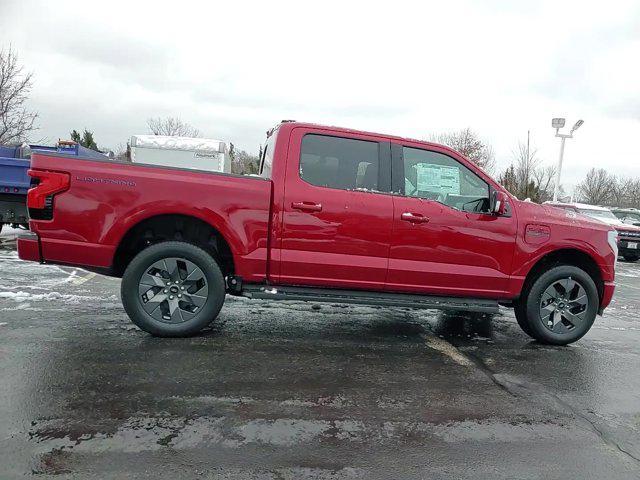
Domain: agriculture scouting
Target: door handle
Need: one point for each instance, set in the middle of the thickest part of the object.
(307, 206)
(414, 218)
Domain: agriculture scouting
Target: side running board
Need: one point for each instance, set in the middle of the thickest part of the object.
(385, 299)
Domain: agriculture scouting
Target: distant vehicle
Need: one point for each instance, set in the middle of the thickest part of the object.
(15, 182)
(629, 216)
(335, 215)
(181, 152)
(628, 235)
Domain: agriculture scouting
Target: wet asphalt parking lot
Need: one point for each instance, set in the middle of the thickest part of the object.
(297, 390)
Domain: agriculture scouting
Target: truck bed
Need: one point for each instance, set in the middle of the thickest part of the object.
(107, 198)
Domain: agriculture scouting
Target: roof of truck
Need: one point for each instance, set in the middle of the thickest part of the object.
(295, 123)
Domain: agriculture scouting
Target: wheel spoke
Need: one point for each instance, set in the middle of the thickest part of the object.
(546, 312)
(569, 284)
(172, 268)
(582, 301)
(153, 280)
(574, 318)
(196, 300)
(559, 326)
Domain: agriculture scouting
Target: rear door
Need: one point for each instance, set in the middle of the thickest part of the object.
(444, 239)
(337, 214)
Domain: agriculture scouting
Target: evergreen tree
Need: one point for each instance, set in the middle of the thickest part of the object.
(86, 139)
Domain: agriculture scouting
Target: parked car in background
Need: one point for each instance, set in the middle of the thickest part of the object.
(336, 215)
(628, 235)
(629, 216)
(181, 152)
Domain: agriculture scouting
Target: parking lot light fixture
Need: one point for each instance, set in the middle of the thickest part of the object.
(558, 123)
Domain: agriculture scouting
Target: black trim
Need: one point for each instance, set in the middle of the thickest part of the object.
(386, 299)
(384, 169)
(397, 170)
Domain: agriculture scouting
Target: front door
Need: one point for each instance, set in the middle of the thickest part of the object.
(337, 218)
(445, 241)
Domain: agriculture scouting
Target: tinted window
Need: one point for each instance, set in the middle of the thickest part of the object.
(438, 177)
(341, 163)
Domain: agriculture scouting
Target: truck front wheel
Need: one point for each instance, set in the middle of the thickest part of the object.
(173, 289)
(560, 306)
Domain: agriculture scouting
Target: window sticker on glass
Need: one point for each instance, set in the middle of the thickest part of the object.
(432, 177)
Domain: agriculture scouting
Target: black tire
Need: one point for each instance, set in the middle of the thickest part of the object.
(521, 317)
(531, 310)
(631, 257)
(202, 316)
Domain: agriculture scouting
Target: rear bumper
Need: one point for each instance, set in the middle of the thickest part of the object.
(29, 247)
(607, 295)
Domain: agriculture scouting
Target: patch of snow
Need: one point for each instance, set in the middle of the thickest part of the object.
(21, 296)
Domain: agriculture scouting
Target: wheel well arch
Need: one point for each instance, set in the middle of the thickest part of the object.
(175, 227)
(566, 256)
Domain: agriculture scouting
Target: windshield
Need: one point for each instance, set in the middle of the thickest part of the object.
(628, 216)
(598, 214)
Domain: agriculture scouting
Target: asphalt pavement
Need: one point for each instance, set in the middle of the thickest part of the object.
(299, 390)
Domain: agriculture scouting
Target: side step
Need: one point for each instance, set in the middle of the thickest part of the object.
(384, 299)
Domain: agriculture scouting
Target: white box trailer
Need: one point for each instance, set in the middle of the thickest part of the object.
(183, 152)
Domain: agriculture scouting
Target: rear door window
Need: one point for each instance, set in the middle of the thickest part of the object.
(341, 163)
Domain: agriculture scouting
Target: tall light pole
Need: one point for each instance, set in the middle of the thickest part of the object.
(558, 123)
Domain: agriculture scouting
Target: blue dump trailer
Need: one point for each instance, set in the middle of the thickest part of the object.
(15, 182)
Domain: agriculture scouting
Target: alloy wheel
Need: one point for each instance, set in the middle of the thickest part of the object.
(563, 305)
(173, 290)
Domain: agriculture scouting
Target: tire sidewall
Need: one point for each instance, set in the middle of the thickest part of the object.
(150, 255)
(542, 333)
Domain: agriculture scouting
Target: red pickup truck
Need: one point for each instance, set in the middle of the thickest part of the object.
(335, 215)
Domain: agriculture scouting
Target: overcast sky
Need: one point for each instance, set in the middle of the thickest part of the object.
(233, 69)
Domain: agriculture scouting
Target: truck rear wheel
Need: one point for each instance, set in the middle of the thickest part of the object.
(520, 311)
(172, 289)
(560, 306)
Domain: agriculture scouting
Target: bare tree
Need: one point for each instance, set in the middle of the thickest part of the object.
(122, 152)
(525, 178)
(172, 126)
(467, 142)
(619, 195)
(16, 121)
(544, 178)
(633, 194)
(597, 187)
(243, 162)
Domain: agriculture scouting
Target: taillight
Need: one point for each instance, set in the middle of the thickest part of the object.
(48, 184)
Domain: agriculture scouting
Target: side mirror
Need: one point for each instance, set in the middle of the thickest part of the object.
(499, 202)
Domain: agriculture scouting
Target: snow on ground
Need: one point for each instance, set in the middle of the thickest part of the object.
(10, 232)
